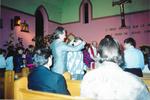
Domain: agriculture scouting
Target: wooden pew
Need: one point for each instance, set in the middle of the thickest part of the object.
(2, 74)
(34, 95)
(25, 71)
(147, 81)
(74, 87)
(21, 92)
(9, 84)
(67, 76)
(146, 75)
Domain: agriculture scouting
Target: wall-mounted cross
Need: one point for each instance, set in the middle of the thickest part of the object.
(121, 4)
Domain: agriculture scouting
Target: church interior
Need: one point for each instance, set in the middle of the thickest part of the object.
(32, 22)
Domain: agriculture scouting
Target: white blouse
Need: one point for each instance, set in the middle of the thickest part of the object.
(109, 81)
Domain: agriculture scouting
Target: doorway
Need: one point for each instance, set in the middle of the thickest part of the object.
(39, 29)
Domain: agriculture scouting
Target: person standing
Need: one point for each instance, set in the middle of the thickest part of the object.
(75, 64)
(93, 53)
(60, 49)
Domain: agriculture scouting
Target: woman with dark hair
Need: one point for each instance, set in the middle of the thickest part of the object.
(109, 81)
(60, 49)
(42, 78)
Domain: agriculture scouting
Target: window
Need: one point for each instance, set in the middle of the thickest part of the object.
(85, 11)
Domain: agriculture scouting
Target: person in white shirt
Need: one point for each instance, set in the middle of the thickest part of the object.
(109, 81)
(133, 57)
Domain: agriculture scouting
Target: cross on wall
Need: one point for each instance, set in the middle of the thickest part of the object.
(121, 4)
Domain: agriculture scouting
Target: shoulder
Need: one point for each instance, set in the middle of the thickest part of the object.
(138, 50)
(91, 76)
(56, 75)
(2, 57)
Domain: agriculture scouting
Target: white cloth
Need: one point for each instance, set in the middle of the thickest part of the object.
(133, 58)
(110, 82)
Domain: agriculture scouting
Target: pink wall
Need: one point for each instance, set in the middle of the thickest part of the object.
(98, 28)
(49, 26)
(8, 14)
(95, 30)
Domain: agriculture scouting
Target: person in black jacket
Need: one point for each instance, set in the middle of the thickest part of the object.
(43, 79)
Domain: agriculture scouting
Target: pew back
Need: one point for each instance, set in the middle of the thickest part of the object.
(30, 94)
(67, 76)
(146, 75)
(74, 87)
(147, 81)
(9, 84)
(24, 72)
(21, 92)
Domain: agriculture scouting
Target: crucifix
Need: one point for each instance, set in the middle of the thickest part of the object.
(121, 4)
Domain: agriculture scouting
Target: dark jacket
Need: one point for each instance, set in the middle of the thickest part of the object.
(42, 79)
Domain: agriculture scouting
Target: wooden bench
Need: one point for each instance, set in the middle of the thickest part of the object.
(25, 71)
(9, 84)
(147, 81)
(146, 75)
(67, 76)
(21, 92)
(74, 87)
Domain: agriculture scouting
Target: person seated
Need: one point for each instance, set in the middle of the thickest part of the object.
(29, 56)
(133, 57)
(146, 52)
(43, 79)
(18, 60)
(2, 63)
(108, 81)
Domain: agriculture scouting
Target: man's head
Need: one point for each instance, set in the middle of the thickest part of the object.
(129, 42)
(94, 43)
(44, 57)
(60, 33)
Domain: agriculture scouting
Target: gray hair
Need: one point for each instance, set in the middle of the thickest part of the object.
(109, 50)
(42, 57)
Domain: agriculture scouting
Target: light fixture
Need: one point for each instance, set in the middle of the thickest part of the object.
(24, 27)
(17, 20)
